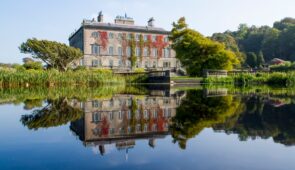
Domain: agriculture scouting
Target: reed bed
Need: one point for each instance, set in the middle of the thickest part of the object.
(25, 78)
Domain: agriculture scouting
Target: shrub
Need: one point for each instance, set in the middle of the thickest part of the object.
(33, 65)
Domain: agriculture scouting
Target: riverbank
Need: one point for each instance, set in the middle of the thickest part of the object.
(10, 77)
(274, 79)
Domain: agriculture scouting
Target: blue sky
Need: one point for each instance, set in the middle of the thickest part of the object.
(56, 19)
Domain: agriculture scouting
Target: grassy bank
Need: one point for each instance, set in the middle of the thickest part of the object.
(276, 78)
(23, 78)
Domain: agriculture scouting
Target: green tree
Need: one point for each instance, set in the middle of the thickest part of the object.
(197, 52)
(251, 59)
(284, 23)
(54, 54)
(57, 112)
(34, 65)
(197, 112)
(287, 43)
(260, 59)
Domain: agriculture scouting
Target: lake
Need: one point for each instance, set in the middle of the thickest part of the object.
(148, 128)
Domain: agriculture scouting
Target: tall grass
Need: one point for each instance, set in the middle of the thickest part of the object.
(21, 78)
(275, 78)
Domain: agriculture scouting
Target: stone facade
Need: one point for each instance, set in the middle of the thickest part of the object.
(117, 45)
(123, 119)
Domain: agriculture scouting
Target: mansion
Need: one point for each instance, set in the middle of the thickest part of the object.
(122, 45)
(123, 119)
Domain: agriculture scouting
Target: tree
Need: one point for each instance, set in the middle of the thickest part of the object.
(197, 52)
(35, 65)
(284, 23)
(54, 54)
(287, 43)
(57, 112)
(260, 59)
(251, 59)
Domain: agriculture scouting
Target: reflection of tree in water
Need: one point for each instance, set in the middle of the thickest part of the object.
(55, 113)
(32, 103)
(263, 118)
(197, 112)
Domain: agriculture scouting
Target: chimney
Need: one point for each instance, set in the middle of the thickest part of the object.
(151, 22)
(100, 17)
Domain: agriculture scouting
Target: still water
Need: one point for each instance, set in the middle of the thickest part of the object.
(140, 128)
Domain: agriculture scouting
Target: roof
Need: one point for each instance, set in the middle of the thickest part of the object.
(120, 27)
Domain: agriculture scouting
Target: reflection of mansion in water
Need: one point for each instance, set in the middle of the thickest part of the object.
(124, 118)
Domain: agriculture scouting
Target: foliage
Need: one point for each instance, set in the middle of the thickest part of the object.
(55, 113)
(197, 53)
(197, 112)
(276, 78)
(133, 56)
(269, 42)
(54, 54)
(262, 118)
(33, 65)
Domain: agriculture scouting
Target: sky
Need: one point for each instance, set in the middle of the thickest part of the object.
(57, 19)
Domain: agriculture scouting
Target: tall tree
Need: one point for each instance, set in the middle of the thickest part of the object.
(54, 54)
(197, 52)
(251, 59)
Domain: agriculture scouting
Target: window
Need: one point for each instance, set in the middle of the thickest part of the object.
(166, 64)
(166, 39)
(155, 113)
(120, 36)
(154, 127)
(95, 34)
(129, 114)
(146, 64)
(96, 117)
(81, 62)
(167, 112)
(95, 63)
(145, 128)
(95, 49)
(120, 52)
(120, 115)
(129, 129)
(166, 52)
(128, 50)
(111, 50)
(112, 131)
(111, 35)
(95, 103)
(120, 63)
(138, 52)
(111, 102)
(137, 37)
(145, 52)
(154, 38)
(111, 63)
(129, 36)
(145, 38)
(145, 114)
(112, 115)
(154, 64)
(128, 63)
(155, 52)
(138, 128)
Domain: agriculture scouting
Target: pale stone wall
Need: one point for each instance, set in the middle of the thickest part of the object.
(115, 118)
(105, 60)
